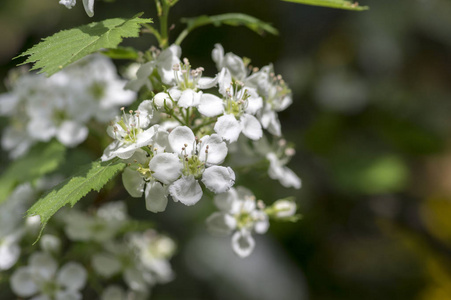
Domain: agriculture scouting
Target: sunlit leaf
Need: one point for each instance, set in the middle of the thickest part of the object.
(67, 46)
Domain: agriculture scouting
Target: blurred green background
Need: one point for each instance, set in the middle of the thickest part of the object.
(371, 121)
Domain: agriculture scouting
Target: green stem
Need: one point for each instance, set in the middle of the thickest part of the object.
(153, 31)
(195, 129)
(181, 37)
(163, 12)
(176, 118)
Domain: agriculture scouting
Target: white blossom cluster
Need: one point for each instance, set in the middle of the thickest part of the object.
(177, 143)
(106, 241)
(61, 106)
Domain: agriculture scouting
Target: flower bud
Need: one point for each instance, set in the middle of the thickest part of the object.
(284, 208)
(160, 99)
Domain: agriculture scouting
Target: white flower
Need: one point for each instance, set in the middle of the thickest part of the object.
(163, 63)
(238, 107)
(199, 159)
(88, 4)
(9, 250)
(188, 82)
(41, 277)
(153, 251)
(240, 214)
(276, 97)
(278, 171)
(101, 227)
(129, 134)
(138, 179)
(230, 61)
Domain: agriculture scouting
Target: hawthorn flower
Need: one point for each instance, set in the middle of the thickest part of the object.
(276, 97)
(41, 279)
(278, 171)
(128, 132)
(237, 108)
(192, 159)
(241, 215)
(101, 227)
(143, 260)
(162, 63)
(230, 61)
(138, 179)
(188, 83)
(88, 4)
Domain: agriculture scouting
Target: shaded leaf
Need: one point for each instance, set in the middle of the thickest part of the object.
(90, 177)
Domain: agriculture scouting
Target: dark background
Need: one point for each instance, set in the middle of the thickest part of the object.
(371, 121)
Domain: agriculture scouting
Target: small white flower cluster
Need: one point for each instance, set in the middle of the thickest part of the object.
(41, 108)
(105, 241)
(42, 279)
(241, 214)
(170, 157)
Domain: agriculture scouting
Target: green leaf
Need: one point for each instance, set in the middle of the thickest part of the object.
(341, 4)
(232, 19)
(90, 177)
(67, 46)
(122, 53)
(40, 160)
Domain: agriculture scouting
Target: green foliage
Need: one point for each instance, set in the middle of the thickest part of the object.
(122, 53)
(232, 19)
(342, 4)
(90, 177)
(40, 160)
(67, 46)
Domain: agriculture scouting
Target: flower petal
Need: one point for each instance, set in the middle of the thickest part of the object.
(156, 197)
(251, 127)
(181, 136)
(43, 265)
(217, 150)
(218, 55)
(9, 252)
(166, 167)
(235, 64)
(72, 276)
(211, 105)
(166, 60)
(221, 223)
(22, 282)
(133, 182)
(228, 128)
(218, 179)
(105, 264)
(242, 243)
(224, 201)
(89, 7)
(186, 190)
(71, 133)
